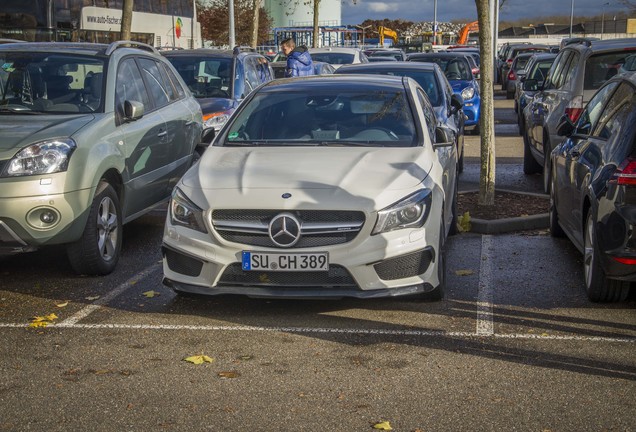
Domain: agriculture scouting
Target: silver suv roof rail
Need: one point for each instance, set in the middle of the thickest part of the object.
(129, 44)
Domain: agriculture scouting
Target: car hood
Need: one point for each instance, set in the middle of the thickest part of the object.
(18, 131)
(247, 175)
(459, 85)
(212, 105)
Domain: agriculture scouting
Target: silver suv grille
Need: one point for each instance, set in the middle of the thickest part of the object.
(318, 227)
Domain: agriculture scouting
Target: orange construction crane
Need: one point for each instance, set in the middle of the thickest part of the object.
(386, 32)
(466, 30)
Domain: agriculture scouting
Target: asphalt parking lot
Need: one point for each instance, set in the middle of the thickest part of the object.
(514, 345)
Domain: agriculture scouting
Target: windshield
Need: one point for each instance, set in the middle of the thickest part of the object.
(332, 57)
(325, 117)
(206, 77)
(454, 68)
(50, 82)
(540, 70)
(601, 67)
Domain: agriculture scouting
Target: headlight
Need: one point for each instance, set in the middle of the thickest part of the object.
(46, 157)
(215, 120)
(468, 93)
(185, 213)
(411, 212)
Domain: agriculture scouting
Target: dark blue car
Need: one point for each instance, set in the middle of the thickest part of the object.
(459, 74)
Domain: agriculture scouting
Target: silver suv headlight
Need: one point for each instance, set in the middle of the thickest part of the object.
(45, 157)
(185, 213)
(468, 93)
(410, 212)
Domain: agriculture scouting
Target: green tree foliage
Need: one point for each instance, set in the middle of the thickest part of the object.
(215, 23)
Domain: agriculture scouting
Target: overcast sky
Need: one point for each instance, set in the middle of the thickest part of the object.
(447, 10)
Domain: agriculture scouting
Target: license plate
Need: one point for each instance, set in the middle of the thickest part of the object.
(318, 261)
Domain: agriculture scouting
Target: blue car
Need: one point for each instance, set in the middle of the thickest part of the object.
(459, 74)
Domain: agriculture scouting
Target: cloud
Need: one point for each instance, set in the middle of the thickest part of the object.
(378, 7)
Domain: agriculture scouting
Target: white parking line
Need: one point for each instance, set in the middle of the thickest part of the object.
(326, 330)
(86, 311)
(485, 291)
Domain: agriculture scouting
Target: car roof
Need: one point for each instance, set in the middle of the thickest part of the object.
(389, 66)
(212, 52)
(333, 81)
(604, 45)
(439, 55)
(65, 47)
(335, 49)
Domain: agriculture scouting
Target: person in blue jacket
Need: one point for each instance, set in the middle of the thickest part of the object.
(298, 59)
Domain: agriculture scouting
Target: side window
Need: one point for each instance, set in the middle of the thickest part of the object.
(592, 111)
(251, 73)
(570, 72)
(562, 72)
(152, 77)
(130, 87)
(167, 83)
(555, 70)
(175, 81)
(429, 115)
(616, 112)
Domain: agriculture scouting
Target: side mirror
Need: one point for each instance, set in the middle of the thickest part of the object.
(457, 102)
(133, 110)
(443, 137)
(531, 85)
(208, 135)
(565, 127)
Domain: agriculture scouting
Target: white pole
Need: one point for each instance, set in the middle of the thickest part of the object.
(435, 23)
(231, 13)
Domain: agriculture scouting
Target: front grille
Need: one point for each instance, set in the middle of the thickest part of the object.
(405, 266)
(182, 264)
(319, 228)
(336, 277)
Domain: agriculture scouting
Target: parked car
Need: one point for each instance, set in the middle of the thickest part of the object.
(593, 188)
(458, 72)
(338, 56)
(502, 54)
(220, 79)
(292, 211)
(537, 69)
(512, 53)
(446, 103)
(93, 136)
(516, 72)
(397, 54)
(381, 59)
(577, 72)
(629, 65)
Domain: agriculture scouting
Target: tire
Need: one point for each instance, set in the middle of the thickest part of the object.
(455, 220)
(460, 162)
(516, 107)
(520, 124)
(438, 293)
(547, 167)
(555, 228)
(98, 250)
(598, 287)
(530, 164)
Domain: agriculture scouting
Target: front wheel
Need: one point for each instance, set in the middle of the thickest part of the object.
(97, 251)
(599, 288)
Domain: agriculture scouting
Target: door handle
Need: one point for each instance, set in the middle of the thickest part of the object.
(162, 134)
(190, 123)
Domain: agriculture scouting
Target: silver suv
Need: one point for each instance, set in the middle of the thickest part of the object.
(577, 72)
(91, 137)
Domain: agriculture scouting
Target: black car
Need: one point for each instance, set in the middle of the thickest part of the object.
(593, 188)
(220, 79)
(447, 105)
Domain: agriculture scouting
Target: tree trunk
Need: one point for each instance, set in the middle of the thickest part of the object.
(486, 120)
(126, 19)
(257, 8)
(316, 29)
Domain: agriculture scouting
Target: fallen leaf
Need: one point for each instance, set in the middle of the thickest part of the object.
(42, 321)
(36, 324)
(463, 222)
(199, 359)
(464, 272)
(383, 426)
(151, 294)
(229, 374)
(50, 317)
(61, 305)
(91, 298)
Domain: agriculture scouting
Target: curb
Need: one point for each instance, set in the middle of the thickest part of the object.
(506, 225)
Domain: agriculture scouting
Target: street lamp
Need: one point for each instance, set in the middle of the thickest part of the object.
(603, 19)
(363, 29)
(435, 23)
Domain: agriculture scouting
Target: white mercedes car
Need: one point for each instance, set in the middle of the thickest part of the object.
(318, 187)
